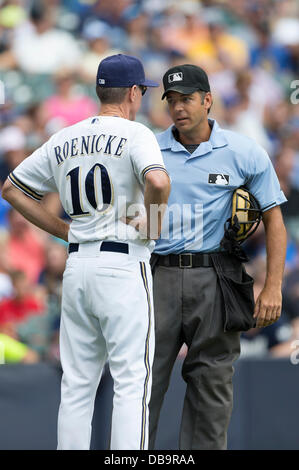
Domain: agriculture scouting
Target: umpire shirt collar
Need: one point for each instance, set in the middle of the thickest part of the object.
(217, 139)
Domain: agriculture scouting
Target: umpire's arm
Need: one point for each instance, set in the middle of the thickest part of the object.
(268, 303)
(34, 211)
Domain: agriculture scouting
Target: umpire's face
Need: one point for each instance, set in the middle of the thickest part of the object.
(188, 112)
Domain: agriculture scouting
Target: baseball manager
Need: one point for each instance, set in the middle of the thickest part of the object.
(101, 166)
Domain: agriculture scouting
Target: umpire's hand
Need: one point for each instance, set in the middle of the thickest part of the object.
(268, 306)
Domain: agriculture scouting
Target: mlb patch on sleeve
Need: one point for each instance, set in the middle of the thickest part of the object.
(218, 178)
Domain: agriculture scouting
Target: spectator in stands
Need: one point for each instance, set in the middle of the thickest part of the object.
(273, 57)
(98, 36)
(111, 12)
(291, 297)
(284, 166)
(4, 208)
(13, 351)
(219, 49)
(245, 111)
(136, 24)
(12, 149)
(68, 106)
(275, 119)
(51, 277)
(25, 246)
(11, 17)
(6, 287)
(16, 310)
(41, 48)
(22, 303)
(286, 33)
(183, 26)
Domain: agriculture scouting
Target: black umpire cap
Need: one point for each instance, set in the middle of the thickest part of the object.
(185, 79)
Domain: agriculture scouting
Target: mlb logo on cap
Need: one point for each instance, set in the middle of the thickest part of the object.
(175, 77)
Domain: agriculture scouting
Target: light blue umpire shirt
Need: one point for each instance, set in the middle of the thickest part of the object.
(202, 185)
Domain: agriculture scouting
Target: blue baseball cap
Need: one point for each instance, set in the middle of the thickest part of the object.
(117, 71)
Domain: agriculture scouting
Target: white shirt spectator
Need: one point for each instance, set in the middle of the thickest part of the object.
(46, 52)
(11, 138)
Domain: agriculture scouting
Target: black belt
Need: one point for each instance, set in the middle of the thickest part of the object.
(186, 260)
(116, 247)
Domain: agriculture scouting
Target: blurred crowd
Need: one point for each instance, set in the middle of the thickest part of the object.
(49, 53)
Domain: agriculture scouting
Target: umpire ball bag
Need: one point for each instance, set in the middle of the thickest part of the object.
(245, 219)
(237, 292)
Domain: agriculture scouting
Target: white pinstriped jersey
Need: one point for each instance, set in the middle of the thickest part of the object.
(98, 167)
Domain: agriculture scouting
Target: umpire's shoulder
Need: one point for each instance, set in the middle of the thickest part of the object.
(164, 138)
(243, 146)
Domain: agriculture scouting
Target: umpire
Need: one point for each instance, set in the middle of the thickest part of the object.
(202, 294)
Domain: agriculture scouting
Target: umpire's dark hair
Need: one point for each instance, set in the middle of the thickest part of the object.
(111, 95)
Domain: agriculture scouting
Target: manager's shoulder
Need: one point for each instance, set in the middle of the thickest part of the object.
(68, 131)
(139, 127)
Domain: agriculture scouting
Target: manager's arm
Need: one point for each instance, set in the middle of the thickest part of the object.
(156, 193)
(268, 303)
(35, 212)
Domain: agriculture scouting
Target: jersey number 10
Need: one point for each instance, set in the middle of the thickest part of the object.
(90, 190)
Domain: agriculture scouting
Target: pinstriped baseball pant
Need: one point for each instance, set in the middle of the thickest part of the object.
(106, 315)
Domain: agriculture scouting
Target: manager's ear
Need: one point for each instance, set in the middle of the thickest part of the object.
(133, 93)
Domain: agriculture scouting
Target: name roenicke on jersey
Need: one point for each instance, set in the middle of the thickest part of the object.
(98, 166)
(110, 145)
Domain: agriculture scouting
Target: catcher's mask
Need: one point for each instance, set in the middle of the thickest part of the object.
(246, 216)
